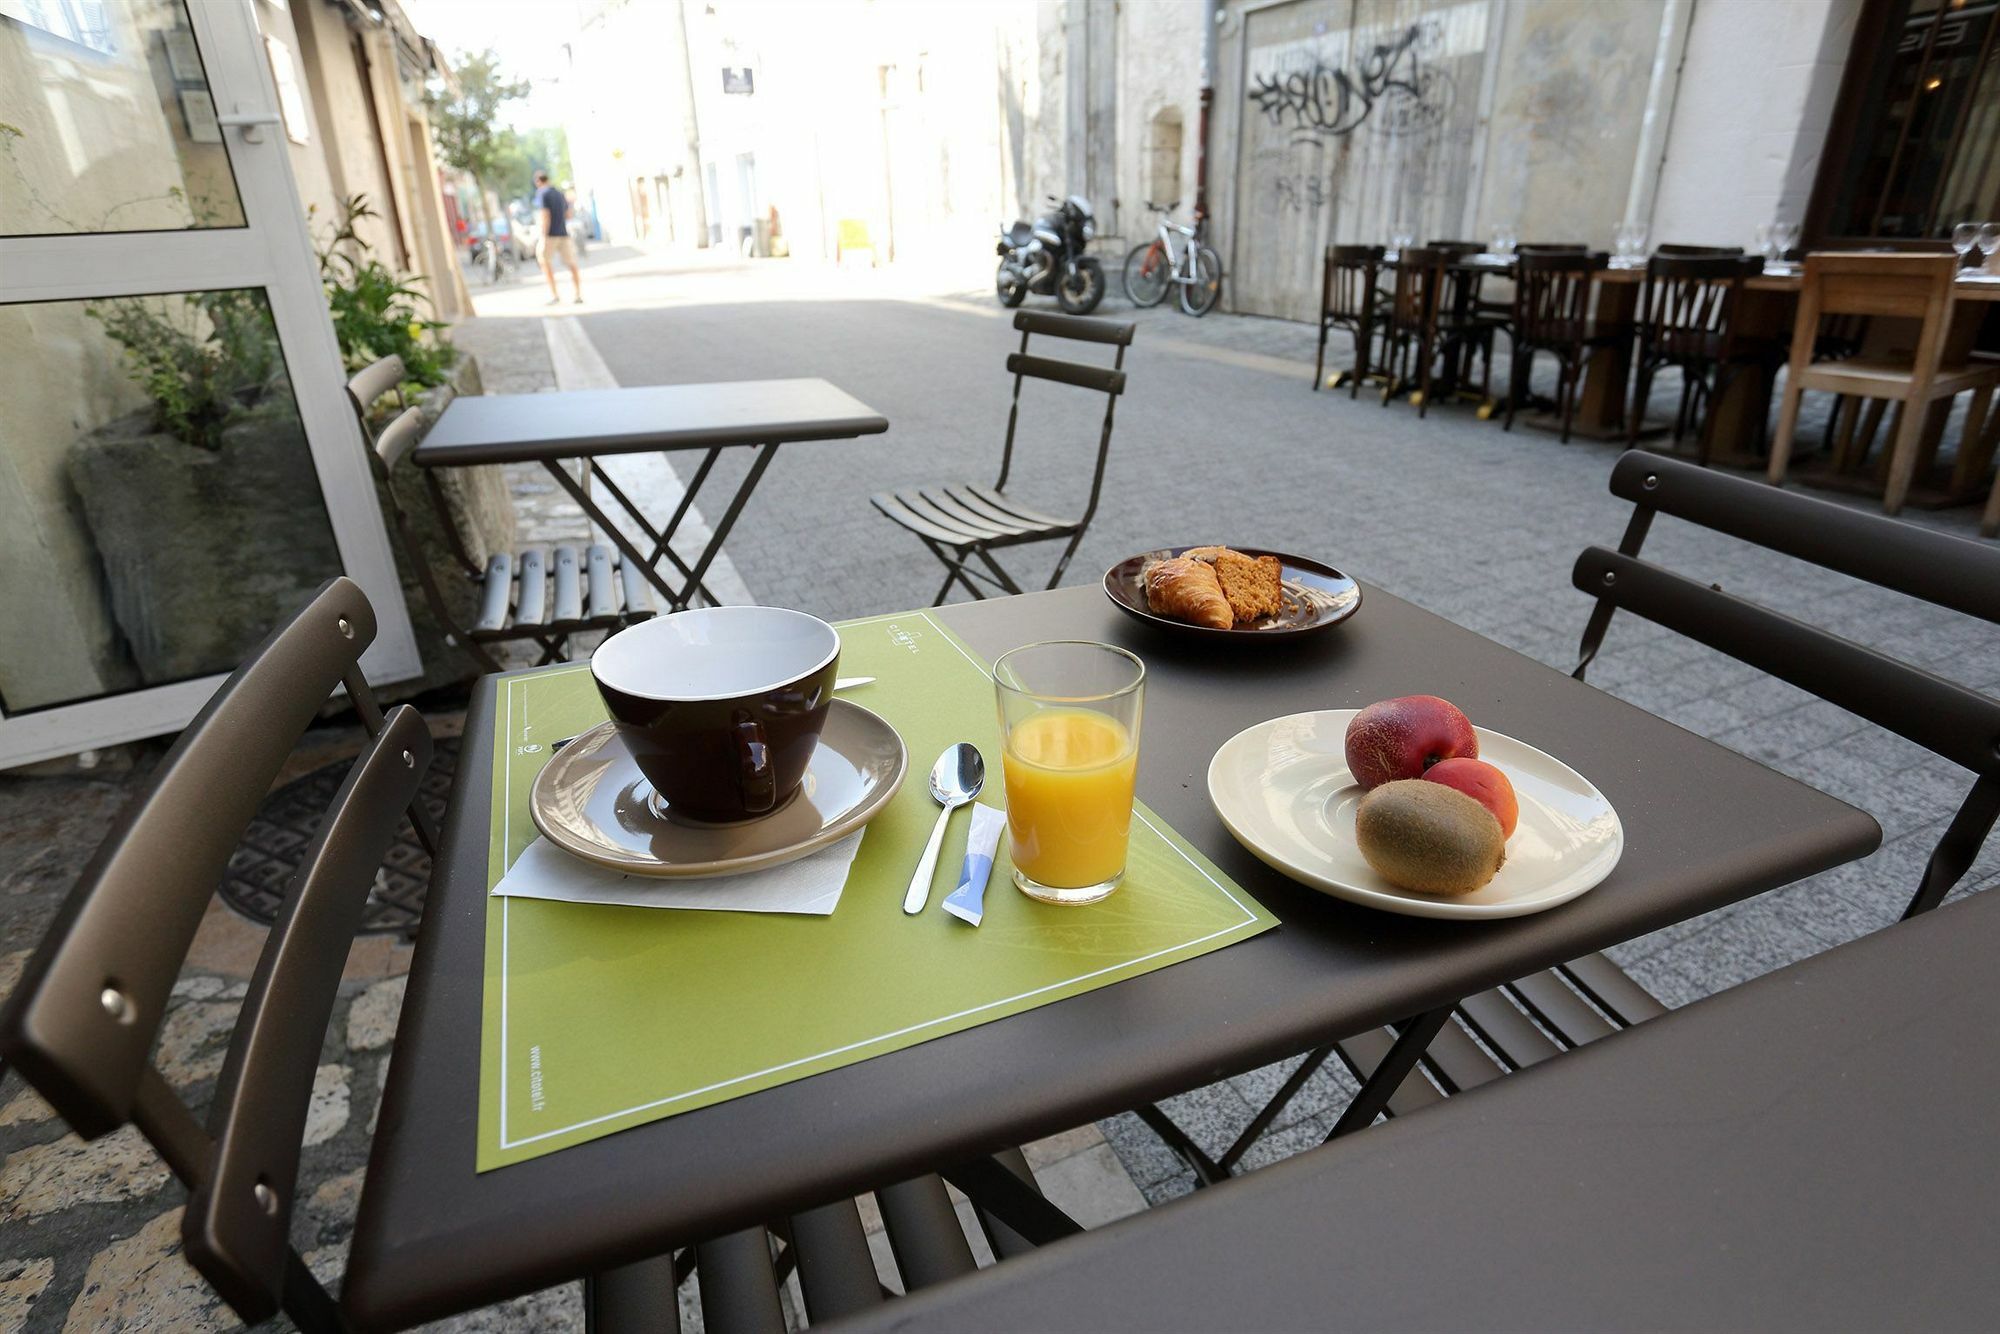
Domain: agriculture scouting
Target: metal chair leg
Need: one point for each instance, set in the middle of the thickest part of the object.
(640, 1298)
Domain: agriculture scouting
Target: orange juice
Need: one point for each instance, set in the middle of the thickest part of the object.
(1069, 796)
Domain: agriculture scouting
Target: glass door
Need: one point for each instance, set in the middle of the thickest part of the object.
(179, 469)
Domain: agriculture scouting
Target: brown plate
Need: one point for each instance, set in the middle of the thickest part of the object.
(1316, 596)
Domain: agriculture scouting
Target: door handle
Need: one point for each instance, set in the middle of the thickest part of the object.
(250, 122)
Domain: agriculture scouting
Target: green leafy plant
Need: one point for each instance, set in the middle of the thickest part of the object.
(202, 357)
(376, 313)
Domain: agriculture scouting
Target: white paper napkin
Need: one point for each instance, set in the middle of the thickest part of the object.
(808, 885)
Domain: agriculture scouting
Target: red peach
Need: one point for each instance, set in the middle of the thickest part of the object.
(1484, 784)
(1401, 738)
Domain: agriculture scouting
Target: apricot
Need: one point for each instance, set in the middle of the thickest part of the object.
(1429, 837)
(1484, 784)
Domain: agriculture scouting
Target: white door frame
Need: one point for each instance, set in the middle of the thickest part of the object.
(272, 251)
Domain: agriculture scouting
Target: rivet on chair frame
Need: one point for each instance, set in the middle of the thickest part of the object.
(117, 1004)
(1610, 578)
(346, 628)
(1652, 481)
(409, 760)
(267, 1199)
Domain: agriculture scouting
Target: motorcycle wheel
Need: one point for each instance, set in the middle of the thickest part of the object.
(1146, 275)
(1079, 295)
(1199, 297)
(1012, 290)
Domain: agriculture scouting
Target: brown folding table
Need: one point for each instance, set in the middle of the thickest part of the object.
(1704, 827)
(1812, 1150)
(588, 424)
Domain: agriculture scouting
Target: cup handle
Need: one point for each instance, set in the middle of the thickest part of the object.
(756, 780)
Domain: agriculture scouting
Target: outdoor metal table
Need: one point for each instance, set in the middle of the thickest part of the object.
(1809, 1151)
(588, 424)
(1704, 827)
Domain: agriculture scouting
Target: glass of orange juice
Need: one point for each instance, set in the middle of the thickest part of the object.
(1069, 716)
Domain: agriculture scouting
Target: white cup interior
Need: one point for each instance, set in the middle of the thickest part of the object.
(714, 653)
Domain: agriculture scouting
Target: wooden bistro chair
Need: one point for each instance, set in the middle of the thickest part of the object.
(1425, 322)
(1552, 299)
(1349, 300)
(1913, 287)
(83, 1019)
(962, 523)
(1412, 1064)
(542, 597)
(1688, 309)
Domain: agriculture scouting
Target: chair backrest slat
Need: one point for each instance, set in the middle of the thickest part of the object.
(1936, 567)
(371, 382)
(84, 1016)
(1078, 327)
(399, 437)
(1347, 287)
(1944, 717)
(1101, 378)
(238, 1219)
(1552, 292)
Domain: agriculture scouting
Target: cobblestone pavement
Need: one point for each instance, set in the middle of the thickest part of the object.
(1219, 436)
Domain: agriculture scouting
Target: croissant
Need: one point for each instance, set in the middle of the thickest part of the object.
(1188, 589)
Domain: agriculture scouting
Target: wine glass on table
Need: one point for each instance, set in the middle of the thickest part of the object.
(1989, 242)
(1965, 239)
(1784, 235)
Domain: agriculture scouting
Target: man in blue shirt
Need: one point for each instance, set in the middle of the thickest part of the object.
(552, 215)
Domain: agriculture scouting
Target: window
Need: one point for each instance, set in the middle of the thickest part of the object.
(1915, 143)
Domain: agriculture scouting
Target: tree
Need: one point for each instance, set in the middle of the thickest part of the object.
(466, 122)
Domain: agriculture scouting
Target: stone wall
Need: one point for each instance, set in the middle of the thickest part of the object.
(1750, 120)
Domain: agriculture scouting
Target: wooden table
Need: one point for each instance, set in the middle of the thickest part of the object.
(1809, 1151)
(1704, 827)
(1605, 396)
(589, 424)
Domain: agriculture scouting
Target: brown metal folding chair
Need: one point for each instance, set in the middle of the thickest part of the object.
(542, 597)
(960, 523)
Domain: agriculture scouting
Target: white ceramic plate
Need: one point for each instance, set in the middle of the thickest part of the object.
(1283, 789)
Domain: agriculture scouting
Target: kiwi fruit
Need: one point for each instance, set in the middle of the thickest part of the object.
(1428, 837)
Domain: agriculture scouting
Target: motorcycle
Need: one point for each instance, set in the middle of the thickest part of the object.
(1046, 257)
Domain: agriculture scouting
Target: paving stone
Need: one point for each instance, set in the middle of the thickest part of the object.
(371, 1022)
(21, 1282)
(334, 1201)
(144, 1283)
(27, 1108)
(1092, 1187)
(551, 1310)
(194, 1039)
(326, 1114)
(44, 1178)
(11, 964)
(381, 1087)
(1055, 1148)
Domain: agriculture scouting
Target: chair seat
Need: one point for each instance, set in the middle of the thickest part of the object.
(962, 516)
(538, 592)
(1884, 377)
(1510, 1028)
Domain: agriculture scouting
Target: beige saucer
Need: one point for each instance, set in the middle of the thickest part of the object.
(1283, 789)
(590, 800)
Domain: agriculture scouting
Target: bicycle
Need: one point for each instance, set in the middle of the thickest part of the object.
(1154, 266)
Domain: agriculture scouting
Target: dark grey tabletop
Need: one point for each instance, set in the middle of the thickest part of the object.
(1703, 827)
(505, 428)
(1810, 1151)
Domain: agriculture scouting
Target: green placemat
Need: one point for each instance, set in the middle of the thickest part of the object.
(600, 1018)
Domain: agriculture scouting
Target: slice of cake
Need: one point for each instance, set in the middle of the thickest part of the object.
(1251, 583)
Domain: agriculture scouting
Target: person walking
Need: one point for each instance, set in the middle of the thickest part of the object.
(552, 214)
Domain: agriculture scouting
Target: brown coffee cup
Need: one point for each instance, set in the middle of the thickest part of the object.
(721, 707)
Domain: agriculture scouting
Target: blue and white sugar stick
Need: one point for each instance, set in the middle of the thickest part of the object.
(967, 902)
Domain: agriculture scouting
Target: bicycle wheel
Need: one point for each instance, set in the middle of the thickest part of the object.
(1199, 296)
(1146, 274)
